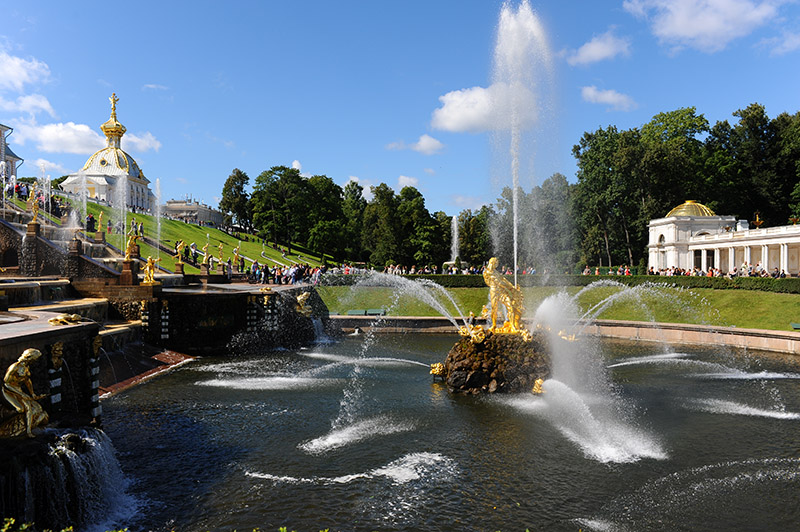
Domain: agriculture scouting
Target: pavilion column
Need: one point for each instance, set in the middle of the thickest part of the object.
(765, 257)
(717, 258)
(731, 258)
(704, 260)
(784, 258)
(747, 255)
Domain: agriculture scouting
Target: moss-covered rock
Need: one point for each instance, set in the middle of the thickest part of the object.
(502, 363)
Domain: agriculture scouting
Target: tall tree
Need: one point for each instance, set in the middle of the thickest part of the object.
(235, 202)
(380, 236)
(353, 206)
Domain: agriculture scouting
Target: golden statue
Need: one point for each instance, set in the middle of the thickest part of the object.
(537, 387)
(236, 256)
(502, 292)
(132, 238)
(34, 204)
(65, 319)
(100, 221)
(220, 252)
(29, 412)
(302, 304)
(179, 248)
(205, 254)
(150, 270)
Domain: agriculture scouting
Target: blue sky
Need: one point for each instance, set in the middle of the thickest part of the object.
(375, 91)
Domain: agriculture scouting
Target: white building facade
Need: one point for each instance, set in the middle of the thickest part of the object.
(692, 236)
(109, 168)
(9, 162)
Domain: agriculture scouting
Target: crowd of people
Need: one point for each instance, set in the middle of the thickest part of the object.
(746, 270)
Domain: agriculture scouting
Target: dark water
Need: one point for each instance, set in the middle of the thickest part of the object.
(348, 438)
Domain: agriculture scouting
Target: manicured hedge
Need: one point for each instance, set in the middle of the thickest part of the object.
(764, 284)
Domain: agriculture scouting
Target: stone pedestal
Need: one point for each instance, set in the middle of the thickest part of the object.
(179, 268)
(220, 268)
(100, 237)
(129, 275)
(204, 270)
(33, 229)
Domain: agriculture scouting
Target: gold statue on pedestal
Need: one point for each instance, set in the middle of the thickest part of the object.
(150, 271)
(29, 412)
(503, 292)
(131, 244)
(34, 204)
(179, 248)
(220, 252)
(206, 258)
(303, 307)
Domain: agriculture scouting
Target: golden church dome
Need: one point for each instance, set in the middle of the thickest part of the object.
(690, 208)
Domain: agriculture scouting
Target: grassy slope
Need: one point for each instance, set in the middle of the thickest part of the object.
(740, 308)
(172, 231)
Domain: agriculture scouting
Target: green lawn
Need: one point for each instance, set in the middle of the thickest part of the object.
(740, 308)
(173, 230)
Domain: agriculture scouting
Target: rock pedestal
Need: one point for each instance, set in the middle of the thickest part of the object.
(100, 237)
(129, 276)
(502, 363)
(179, 268)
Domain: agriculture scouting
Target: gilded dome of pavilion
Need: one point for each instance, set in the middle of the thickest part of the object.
(112, 160)
(690, 208)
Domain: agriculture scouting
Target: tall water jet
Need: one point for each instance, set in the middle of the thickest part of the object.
(520, 91)
(454, 239)
(157, 213)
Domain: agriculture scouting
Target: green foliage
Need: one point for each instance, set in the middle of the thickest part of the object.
(235, 202)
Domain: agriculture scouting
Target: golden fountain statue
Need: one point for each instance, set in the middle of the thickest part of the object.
(179, 248)
(205, 254)
(100, 221)
(132, 238)
(502, 292)
(150, 271)
(220, 252)
(34, 204)
(29, 412)
(236, 255)
(303, 307)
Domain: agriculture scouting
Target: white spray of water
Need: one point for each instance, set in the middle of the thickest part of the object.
(454, 238)
(522, 71)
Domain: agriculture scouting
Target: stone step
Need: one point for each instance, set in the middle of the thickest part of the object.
(93, 308)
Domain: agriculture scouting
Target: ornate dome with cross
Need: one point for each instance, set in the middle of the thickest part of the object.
(104, 169)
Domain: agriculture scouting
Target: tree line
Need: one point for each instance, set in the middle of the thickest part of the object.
(625, 178)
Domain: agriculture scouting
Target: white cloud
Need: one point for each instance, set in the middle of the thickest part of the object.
(59, 138)
(429, 171)
(600, 48)
(406, 181)
(70, 137)
(154, 87)
(616, 100)
(55, 168)
(787, 43)
(182, 180)
(705, 25)
(139, 143)
(296, 165)
(31, 104)
(16, 72)
(426, 145)
(468, 202)
(480, 109)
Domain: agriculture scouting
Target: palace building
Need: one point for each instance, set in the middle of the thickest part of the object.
(9, 162)
(692, 236)
(109, 167)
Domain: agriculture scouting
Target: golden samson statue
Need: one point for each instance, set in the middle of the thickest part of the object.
(502, 292)
(29, 412)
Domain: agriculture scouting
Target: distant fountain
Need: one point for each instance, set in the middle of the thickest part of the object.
(120, 208)
(157, 213)
(454, 239)
(521, 77)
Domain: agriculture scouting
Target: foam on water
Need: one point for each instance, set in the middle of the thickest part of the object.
(270, 383)
(366, 361)
(408, 468)
(356, 432)
(598, 434)
(720, 406)
(735, 374)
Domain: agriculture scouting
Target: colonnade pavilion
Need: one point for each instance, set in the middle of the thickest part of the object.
(692, 236)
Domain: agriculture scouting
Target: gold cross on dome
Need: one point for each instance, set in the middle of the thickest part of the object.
(113, 101)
